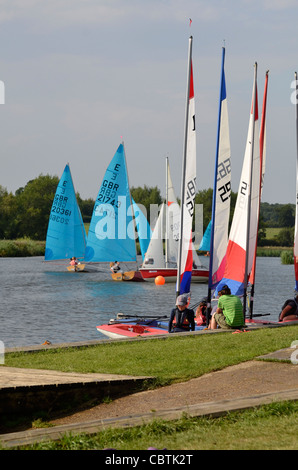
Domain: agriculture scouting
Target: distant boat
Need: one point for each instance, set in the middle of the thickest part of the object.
(66, 236)
(158, 262)
(111, 235)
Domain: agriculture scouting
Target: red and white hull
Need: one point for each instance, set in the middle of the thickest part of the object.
(170, 274)
(121, 330)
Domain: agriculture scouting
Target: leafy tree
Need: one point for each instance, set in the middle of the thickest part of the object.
(86, 207)
(34, 203)
(147, 196)
(8, 221)
(286, 215)
(285, 237)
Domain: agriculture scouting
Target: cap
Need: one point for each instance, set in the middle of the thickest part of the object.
(181, 300)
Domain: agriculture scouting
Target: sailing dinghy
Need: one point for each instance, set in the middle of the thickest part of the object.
(243, 233)
(252, 319)
(188, 188)
(111, 234)
(219, 224)
(66, 236)
(160, 263)
(185, 248)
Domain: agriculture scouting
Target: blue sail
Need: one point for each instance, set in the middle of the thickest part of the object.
(205, 242)
(66, 236)
(143, 228)
(111, 235)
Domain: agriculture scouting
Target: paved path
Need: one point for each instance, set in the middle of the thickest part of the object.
(14, 377)
(19, 377)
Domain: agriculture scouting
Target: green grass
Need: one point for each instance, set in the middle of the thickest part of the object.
(177, 359)
(21, 247)
(272, 232)
(270, 427)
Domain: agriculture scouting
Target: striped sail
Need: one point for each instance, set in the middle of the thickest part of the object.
(243, 233)
(296, 212)
(66, 236)
(262, 175)
(221, 190)
(188, 188)
(111, 234)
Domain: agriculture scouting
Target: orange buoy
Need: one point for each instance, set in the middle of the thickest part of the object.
(160, 280)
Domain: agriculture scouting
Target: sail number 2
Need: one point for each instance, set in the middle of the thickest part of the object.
(190, 195)
(223, 171)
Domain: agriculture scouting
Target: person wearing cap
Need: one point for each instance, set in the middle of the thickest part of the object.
(182, 318)
(289, 310)
(229, 313)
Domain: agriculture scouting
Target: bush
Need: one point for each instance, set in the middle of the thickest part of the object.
(287, 257)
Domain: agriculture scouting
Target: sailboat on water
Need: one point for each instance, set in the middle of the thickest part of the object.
(219, 224)
(66, 236)
(243, 233)
(188, 188)
(160, 262)
(112, 234)
(132, 327)
(241, 250)
(252, 318)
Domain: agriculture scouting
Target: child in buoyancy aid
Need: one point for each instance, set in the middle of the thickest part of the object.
(182, 318)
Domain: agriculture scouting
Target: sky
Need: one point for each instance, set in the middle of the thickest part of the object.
(81, 76)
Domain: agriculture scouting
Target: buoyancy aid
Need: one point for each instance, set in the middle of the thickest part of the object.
(180, 320)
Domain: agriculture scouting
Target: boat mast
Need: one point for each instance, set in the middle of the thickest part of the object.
(249, 191)
(214, 194)
(184, 168)
(167, 215)
(296, 212)
(262, 158)
(131, 206)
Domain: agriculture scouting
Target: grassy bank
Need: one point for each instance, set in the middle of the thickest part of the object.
(269, 427)
(21, 247)
(201, 354)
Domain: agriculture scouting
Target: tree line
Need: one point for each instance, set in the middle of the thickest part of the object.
(26, 212)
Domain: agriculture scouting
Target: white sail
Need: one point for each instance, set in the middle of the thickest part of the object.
(188, 187)
(172, 222)
(243, 233)
(154, 257)
(221, 191)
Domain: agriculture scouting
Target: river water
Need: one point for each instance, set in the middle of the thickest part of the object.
(42, 301)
